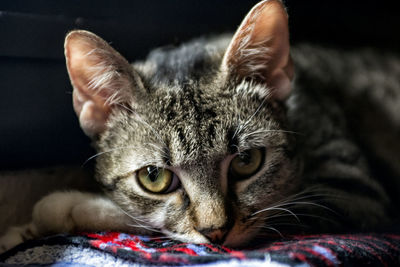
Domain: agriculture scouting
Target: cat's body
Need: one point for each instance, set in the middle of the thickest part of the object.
(344, 104)
(350, 148)
(240, 156)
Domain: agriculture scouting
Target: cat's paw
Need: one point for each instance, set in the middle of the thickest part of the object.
(15, 236)
(69, 212)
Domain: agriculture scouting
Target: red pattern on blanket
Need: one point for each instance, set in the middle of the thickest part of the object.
(326, 250)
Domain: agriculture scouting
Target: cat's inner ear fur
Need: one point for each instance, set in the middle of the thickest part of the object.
(259, 49)
(102, 79)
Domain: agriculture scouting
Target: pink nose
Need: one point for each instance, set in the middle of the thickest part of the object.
(214, 235)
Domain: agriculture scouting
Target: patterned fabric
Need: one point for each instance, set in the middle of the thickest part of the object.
(110, 248)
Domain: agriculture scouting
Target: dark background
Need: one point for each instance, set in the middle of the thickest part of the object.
(37, 125)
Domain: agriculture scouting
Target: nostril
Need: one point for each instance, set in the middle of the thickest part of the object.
(214, 235)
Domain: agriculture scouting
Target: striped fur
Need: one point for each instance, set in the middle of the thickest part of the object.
(329, 164)
(331, 147)
(316, 176)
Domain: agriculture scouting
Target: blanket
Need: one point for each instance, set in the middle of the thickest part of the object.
(119, 249)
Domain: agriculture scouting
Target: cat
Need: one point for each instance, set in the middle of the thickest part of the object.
(221, 140)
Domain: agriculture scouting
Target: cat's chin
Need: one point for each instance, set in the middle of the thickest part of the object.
(238, 240)
(241, 235)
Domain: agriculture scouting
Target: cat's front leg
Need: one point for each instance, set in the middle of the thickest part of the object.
(68, 212)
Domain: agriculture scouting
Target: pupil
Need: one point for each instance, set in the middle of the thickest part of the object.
(245, 158)
(153, 173)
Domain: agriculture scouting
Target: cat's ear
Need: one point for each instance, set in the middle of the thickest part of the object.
(259, 49)
(102, 79)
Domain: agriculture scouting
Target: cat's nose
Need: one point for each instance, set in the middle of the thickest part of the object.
(216, 236)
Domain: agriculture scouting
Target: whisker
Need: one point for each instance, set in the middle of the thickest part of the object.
(125, 107)
(276, 208)
(162, 151)
(302, 195)
(307, 203)
(144, 227)
(289, 224)
(272, 131)
(241, 126)
(140, 119)
(321, 195)
(281, 224)
(273, 229)
(277, 216)
(305, 195)
(158, 237)
(130, 216)
(255, 113)
(101, 153)
(139, 223)
(316, 216)
(300, 215)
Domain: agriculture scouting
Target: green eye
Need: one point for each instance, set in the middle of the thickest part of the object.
(155, 180)
(247, 163)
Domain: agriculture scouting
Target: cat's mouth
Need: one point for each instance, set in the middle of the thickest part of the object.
(239, 235)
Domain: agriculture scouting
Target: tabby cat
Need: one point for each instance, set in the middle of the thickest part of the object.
(219, 141)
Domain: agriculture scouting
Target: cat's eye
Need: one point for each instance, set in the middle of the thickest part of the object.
(247, 163)
(157, 180)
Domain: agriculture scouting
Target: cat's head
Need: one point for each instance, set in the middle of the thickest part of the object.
(198, 160)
